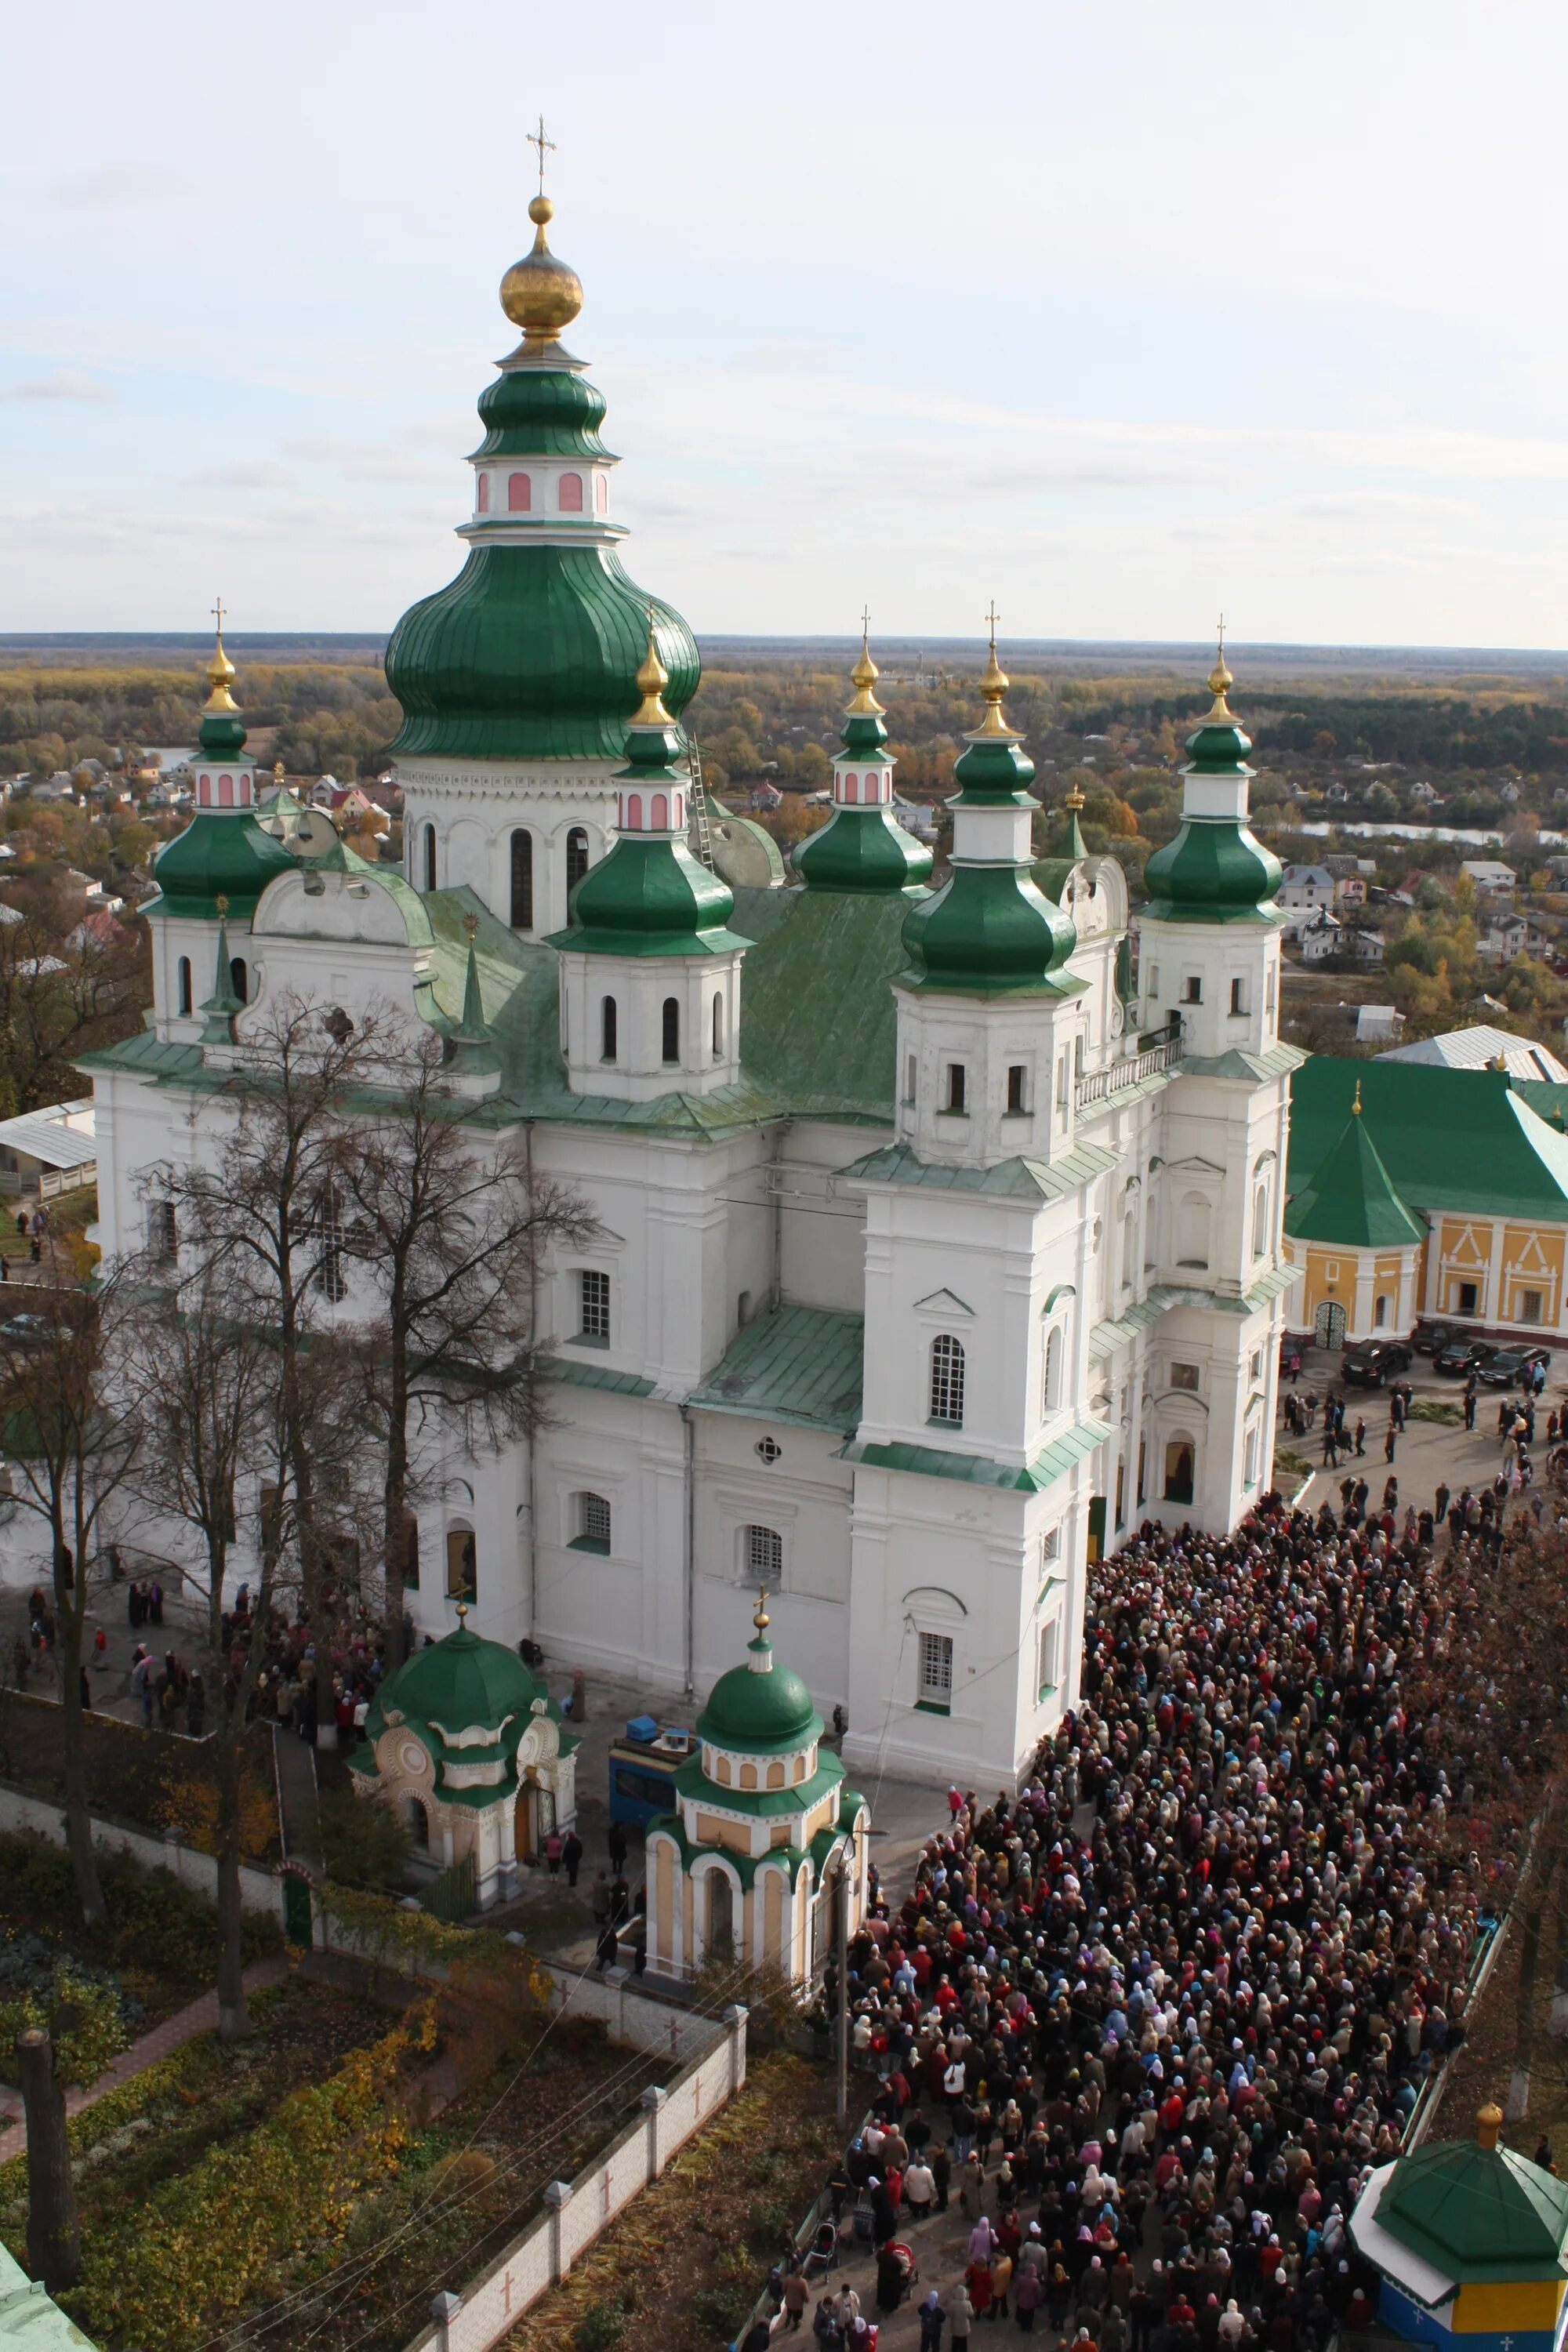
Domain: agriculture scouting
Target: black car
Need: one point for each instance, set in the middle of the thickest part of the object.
(1464, 1356)
(1428, 1337)
(1374, 1361)
(1508, 1365)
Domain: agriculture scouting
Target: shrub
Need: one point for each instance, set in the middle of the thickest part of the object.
(603, 2323)
(96, 2031)
(363, 1843)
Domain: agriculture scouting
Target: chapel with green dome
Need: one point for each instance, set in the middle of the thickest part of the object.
(764, 1820)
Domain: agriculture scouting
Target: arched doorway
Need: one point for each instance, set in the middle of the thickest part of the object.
(1180, 1462)
(720, 1915)
(533, 1818)
(1328, 1329)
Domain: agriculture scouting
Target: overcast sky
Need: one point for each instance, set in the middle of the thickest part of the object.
(1118, 311)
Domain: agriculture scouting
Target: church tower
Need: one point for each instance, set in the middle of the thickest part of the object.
(518, 680)
(863, 846)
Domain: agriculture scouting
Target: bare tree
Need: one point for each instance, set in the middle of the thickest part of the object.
(259, 1203)
(451, 1226)
(215, 1444)
(71, 1426)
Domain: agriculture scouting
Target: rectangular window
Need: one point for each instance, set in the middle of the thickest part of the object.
(162, 1237)
(594, 1307)
(956, 1085)
(1272, 984)
(1530, 1305)
(1468, 1298)
(1249, 1457)
(1017, 1080)
(1154, 983)
(1078, 1057)
(1050, 1546)
(592, 1517)
(1238, 996)
(1050, 1654)
(912, 1069)
(1184, 1376)
(1191, 989)
(1255, 1366)
(935, 1692)
(763, 1558)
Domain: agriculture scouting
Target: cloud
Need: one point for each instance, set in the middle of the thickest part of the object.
(248, 474)
(66, 383)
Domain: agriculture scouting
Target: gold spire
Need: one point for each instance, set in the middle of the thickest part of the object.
(762, 1620)
(540, 294)
(220, 671)
(1220, 680)
(1355, 1106)
(863, 676)
(651, 681)
(1074, 800)
(994, 685)
(1488, 2124)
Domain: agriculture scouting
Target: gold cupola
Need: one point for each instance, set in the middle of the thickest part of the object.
(539, 293)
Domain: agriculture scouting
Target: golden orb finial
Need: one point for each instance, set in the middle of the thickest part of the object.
(279, 774)
(1220, 680)
(540, 294)
(651, 681)
(1355, 1106)
(762, 1621)
(1488, 2124)
(220, 670)
(994, 685)
(863, 676)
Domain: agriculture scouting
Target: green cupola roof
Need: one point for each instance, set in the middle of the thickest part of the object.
(650, 896)
(863, 846)
(531, 652)
(1350, 1200)
(1215, 870)
(224, 859)
(990, 931)
(762, 1707)
(1479, 2212)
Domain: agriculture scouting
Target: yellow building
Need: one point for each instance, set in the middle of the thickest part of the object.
(1417, 1190)
(743, 1869)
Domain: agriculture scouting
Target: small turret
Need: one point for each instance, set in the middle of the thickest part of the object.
(863, 846)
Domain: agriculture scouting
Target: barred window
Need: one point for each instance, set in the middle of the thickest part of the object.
(947, 1379)
(762, 1557)
(936, 1670)
(593, 1301)
(329, 1275)
(592, 1518)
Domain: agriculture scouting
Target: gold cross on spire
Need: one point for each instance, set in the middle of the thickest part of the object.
(546, 146)
(864, 675)
(217, 614)
(1220, 679)
(761, 1620)
(992, 618)
(865, 623)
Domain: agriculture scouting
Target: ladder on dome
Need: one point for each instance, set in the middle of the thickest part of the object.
(700, 824)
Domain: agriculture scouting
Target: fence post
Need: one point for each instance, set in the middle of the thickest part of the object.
(736, 2026)
(557, 2197)
(443, 2311)
(653, 2100)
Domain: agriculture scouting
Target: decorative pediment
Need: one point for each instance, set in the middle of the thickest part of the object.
(942, 1302)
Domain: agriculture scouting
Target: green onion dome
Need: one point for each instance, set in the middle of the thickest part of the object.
(990, 931)
(863, 846)
(530, 413)
(761, 1705)
(224, 856)
(1215, 870)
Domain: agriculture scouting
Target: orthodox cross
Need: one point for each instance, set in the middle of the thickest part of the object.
(992, 618)
(545, 147)
(217, 613)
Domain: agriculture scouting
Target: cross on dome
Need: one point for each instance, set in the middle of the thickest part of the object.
(1220, 679)
(537, 139)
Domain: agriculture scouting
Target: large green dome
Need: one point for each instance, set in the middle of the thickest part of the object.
(532, 653)
(461, 1683)
(768, 1710)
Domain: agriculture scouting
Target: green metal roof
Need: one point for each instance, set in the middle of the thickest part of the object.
(220, 854)
(1350, 1199)
(797, 1363)
(1039, 1180)
(760, 1708)
(1465, 1142)
(27, 2318)
(818, 1022)
(978, 1470)
(596, 1376)
(1477, 2214)
(1236, 1062)
(1114, 1333)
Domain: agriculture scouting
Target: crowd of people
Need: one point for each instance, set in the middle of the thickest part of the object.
(1187, 1985)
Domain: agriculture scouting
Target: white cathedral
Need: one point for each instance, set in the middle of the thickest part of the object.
(933, 1253)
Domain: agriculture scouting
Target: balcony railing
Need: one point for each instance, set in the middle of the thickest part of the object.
(1161, 1050)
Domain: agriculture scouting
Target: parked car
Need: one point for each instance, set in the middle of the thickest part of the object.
(1375, 1361)
(1428, 1337)
(1511, 1364)
(1463, 1356)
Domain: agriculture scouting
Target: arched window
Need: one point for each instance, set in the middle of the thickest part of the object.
(633, 812)
(1193, 1231)
(576, 857)
(462, 1565)
(1053, 1383)
(608, 1020)
(1180, 1461)
(671, 1025)
(1260, 1220)
(225, 792)
(852, 791)
(775, 1774)
(601, 492)
(1129, 1239)
(182, 985)
(718, 1028)
(482, 495)
(947, 1379)
(762, 1557)
(518, 494)
(1380, 1313)
(522, 880)
(430, 857)
(570, 493)
(239, 978)
(659, 820)
(418, 1825)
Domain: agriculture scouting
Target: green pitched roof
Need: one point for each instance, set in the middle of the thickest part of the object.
(797, 1363)
(818, 1022)
(1464, 1142)
(1482, 2215)
(1350, 1200)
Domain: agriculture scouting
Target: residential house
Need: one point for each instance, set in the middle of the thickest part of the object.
(1491, 878)
(1319, 938)
(1482, 1047)
(1309, 886)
